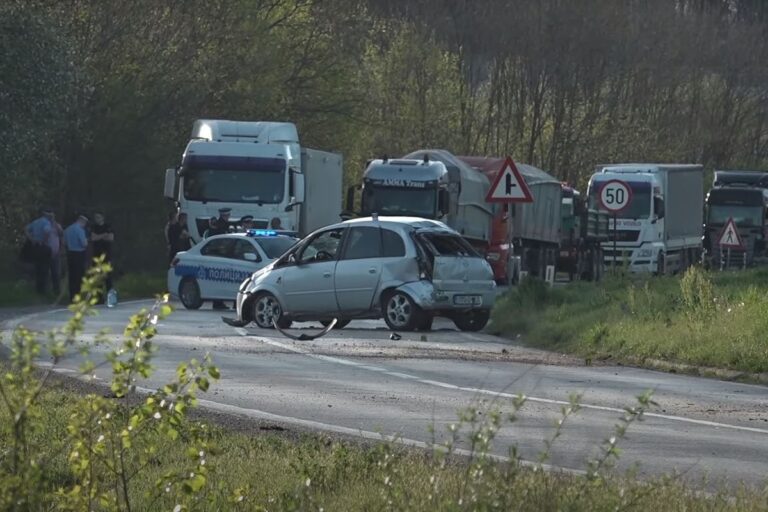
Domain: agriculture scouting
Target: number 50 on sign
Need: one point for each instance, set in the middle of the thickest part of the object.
(615, 195)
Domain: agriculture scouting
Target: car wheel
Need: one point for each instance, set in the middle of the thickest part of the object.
(472, 321)
(189, 293)
(340, 324)
(266, 309)
(400, 312)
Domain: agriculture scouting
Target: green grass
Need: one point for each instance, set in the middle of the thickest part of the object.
(312, 473)
(706, 319)
(141, 285)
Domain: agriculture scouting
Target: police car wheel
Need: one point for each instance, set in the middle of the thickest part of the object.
(189, 293)
(266, 310)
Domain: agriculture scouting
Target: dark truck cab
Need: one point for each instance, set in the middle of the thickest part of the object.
(583, 230)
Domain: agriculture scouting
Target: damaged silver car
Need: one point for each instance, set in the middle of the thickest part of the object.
(407, 270)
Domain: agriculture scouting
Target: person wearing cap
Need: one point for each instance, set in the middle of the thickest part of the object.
(275, 223)
(39, 233)
(246, 223)
(222, 223)
(76, 242)
(211, 227)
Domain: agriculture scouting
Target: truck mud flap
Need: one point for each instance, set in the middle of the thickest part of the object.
(234, 322)
(306, 337)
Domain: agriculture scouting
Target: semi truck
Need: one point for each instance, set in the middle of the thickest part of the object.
(743, 197)
(660, 230)
(533, 228)
(431, 184)
(583, 231)
(255, 168)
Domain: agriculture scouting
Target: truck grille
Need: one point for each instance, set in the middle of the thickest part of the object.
(624, 235)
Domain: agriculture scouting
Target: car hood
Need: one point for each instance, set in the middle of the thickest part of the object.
(459, 273)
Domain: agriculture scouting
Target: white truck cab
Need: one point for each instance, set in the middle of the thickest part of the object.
(254, 168)
(660, 229)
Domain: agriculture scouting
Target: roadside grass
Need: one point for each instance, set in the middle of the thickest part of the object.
(712, 319)
(140, 285)
(316, 472)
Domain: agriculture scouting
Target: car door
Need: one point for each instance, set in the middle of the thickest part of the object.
(358, 270)
(214, 259)
(308, 282)
(244, 261)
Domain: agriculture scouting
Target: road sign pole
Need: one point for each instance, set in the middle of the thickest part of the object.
(508, 217)
(615, 236)
(728, 260)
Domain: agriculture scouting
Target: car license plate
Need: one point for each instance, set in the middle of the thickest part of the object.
(468, 300)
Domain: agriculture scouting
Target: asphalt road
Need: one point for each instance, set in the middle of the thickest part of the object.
(358, 382)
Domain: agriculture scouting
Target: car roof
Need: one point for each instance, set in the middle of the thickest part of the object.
(412, 222)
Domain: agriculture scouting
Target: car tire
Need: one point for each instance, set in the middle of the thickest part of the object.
(340, 324)
(265, 308)
(401, 313)
(189, 293)
(472, 321)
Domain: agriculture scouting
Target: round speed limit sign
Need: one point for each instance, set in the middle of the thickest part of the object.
(615, 195)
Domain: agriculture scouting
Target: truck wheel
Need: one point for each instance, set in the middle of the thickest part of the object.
(189, 293)
(472, 321)
(340, 324)
(266, 309)
(400, 312)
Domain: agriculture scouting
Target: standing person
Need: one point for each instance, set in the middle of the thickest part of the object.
(56, 244)
(38, 233)
(102, 238)
(246, 223)
(76, 243)
(222, 223)
(178, 236)
(275, 223)
(172, 221)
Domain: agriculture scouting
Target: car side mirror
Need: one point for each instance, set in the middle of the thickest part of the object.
(291, 203)
(250, 256)
(658, 207)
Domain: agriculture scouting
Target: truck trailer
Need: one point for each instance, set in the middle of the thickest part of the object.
(660, 230)
(255, 168)
(533, 228)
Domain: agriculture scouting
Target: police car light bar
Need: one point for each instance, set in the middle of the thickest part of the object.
(262, 232)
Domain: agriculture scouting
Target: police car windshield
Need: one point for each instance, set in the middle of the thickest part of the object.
(276, 246)
(399, 201)
(235, 180)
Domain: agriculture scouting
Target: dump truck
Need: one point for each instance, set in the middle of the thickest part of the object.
(527, 238)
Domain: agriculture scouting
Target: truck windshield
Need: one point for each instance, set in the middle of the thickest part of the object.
(234, 179)
(639, 208)
(742, 215)
(399, 201)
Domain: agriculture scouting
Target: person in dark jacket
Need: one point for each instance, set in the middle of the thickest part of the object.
(102, 238)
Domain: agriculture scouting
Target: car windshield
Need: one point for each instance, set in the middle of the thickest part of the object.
(741, 215)
(234, 179)
(274, 247)
(639, 207)
(399, 201)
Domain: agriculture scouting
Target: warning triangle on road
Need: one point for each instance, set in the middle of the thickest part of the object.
(729, 236)
(509, 186)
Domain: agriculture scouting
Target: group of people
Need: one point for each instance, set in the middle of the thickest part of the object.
(46, 243)
(177, 235)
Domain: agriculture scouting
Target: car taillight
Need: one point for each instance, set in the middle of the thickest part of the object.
(174, 261)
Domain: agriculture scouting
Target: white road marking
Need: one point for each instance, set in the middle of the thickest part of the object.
(479, 391)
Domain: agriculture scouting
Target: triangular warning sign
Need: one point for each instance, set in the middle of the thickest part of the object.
(729, 236)
(509, 186)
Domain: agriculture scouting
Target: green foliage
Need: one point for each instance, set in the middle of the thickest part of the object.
(701, 318)
(109, 444)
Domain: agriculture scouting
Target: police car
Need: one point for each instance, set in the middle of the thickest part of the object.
(214, 268)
